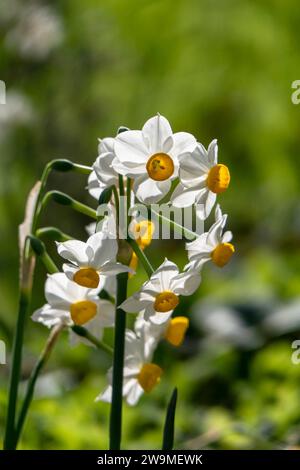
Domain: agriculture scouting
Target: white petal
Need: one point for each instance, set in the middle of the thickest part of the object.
(184, 197)
(104, 170)
(130, 169)
(59, 291)
(214, 236)
(49, 316)
(227, 237)
(70, 270)
(197, 263)
(74, 251)
(156, 131)
(218, 213)
(212, 152)
(135, 304)
(106, 314)
(199, 248)
(113, 268)
(149, 191)
(186, 283)
(95, 327)
(182, 142)
(130, 146)
(106, 395)
(108, 283)
(91, 228)
(193, 165)
(101, 249)
(134, 394)
(94, 186)
(161, 319)
(106, 145)
(165, 273)
(205, 203)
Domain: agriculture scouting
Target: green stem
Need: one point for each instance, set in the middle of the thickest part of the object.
(49, 263)
(121, 185)
(118, 364)
(33, 378)
(84, 209)
(83, 169)
(176, 227)
(61, 165)
(40, 250)
(141, 256)
(24, 301)
(53, 233)
(128, 196)
(84, 333)
(65, 200)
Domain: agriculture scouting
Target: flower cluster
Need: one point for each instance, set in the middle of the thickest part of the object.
(147, 163)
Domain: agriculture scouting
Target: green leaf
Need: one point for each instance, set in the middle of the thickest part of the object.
(168, 437)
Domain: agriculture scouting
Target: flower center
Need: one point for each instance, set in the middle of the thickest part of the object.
(166, 301)
(176, 330)
(83, 311)
(160, 167)
(218, 178)
(87, 277)
(222, 254)
(149, 376)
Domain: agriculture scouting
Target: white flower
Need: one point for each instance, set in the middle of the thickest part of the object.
(150, 156)
(173, 330)
(159, 296)
(108, 283)
(90, 262)
(71, 304)
(103, 174)
(212, 245)
(201, 179)
(139, 374)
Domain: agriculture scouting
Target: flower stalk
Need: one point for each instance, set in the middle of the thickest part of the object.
(53, 336)
(84, 333)
(141, 256)
(9, 438)
(115, 432)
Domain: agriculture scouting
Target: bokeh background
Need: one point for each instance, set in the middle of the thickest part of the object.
(76, 70)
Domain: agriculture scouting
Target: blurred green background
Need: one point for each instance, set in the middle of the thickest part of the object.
(75, 71)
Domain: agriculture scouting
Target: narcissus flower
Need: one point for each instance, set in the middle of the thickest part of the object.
(103, 175)
(213, 245)
(143, 233)
(150, 156)
(159, 296)
(140, 374)
(92, 261)
(201, 179)
(71, 304)
(173, 331)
